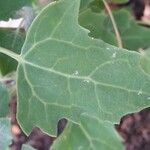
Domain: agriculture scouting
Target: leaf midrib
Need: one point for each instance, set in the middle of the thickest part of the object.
(84, 78)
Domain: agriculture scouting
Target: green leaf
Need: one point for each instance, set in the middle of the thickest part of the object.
(5, 133)
(133, 35)
(27, 147)
(145, 61)
(84, 4)
(63, 73)
(13, 40)
(91, 134)
(100, 26)
(9, 8)
(97, 25)
(118, 1)
(96, 5)
(3, 101)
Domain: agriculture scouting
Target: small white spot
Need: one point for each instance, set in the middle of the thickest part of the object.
(76, 73)
(148, 98)
(86, 80)
(108, 48)
(114, 55)
(140, 92)
(12, 83)
(92, 38)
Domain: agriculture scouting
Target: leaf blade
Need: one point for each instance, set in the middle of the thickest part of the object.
(82, 136)
(5, 132)
(66, 73)
(3, 101)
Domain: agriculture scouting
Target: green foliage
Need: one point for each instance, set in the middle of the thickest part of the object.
(84, 4)
(96, 5)
(103, 136)
(100, 26)
(9, 8)
(118, 1)
(96, 23)
(13, 40)
(64, 73)
(145, 61)
(5, 133)
(3, 101)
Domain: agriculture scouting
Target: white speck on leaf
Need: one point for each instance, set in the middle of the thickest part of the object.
(76, 73)
(140, 92)
(86, 80)
(114, 55)
(13, 82)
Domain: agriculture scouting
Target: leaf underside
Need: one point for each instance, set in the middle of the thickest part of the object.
(63, 73)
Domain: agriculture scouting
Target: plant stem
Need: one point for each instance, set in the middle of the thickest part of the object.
(10, 54)
(118, 37)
